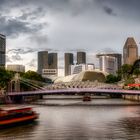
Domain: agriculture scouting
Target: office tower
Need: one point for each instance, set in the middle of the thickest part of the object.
(68, 61)
(81, 58)
(2, 50)
(42, 61)
(130, 51)
(52, 61)
(52, 69)
(47, 63)
(108, 64)
(116, 55)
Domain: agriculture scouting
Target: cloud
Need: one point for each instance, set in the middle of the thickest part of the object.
(39, 39)
(32, 63)
(8, 59)
(13, 26)
(21, 51)
(16, 57)
(109, 11)
(66, 26)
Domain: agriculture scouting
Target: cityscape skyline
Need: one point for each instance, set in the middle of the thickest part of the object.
(93, 26)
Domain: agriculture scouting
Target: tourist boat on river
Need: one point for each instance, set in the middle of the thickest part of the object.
(86, 98)
(10, 116)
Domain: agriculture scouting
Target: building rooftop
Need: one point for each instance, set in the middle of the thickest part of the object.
(130, 42)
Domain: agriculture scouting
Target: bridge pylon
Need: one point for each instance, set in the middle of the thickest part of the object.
(14, 84)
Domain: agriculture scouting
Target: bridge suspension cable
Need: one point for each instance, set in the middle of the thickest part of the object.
(32, 83)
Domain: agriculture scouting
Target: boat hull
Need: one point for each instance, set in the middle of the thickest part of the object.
(19, 121)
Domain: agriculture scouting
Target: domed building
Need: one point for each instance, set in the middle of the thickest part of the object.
(83, 76)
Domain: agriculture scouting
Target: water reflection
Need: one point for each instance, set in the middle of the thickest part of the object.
(21, 131)
(92, 122)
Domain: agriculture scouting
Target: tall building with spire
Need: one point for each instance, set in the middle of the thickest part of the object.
(130, 51)
(2, 50)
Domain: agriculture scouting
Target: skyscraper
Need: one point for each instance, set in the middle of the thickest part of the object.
(52, 61)
(2, 50)
(116, 55)
(108, 63)
(81, 58)
(68, 62)
(47, 63)
(42, 61)
(130, 51)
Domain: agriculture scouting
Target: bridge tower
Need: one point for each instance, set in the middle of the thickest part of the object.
(14, 84)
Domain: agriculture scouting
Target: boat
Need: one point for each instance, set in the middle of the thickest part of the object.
(16, 115)
(86, 98)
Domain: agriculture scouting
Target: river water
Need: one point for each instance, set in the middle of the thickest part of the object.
(72, 119)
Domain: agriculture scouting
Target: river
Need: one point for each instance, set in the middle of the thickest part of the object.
(72, 119)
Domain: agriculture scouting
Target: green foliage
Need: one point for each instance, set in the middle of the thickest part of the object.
(5, 77)
(112, 78)
(136, 72)
(129, 80)
(125, 71)
(33, 76)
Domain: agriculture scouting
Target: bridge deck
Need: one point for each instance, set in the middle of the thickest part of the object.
(76, 90)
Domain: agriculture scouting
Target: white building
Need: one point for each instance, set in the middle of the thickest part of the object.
(16, 68)
(49, 72)
(108, 64)
(75, 69)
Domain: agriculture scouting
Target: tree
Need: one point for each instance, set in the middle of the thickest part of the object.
(136, 72)
(125, 70)
(32, 75)
(5, 77)
(112, 78)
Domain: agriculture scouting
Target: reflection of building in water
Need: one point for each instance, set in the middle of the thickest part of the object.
(75, 69)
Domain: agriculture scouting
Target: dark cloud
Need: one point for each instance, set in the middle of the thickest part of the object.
(21, 51)
(27, 13)
(13, 26)
(109, 11)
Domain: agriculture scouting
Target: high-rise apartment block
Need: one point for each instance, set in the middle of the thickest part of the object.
(68, 62)
(47, 63)
(130, 51)
(2, 50)
(81, 58)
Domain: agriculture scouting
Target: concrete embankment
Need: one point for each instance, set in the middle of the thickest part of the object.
(131, 97)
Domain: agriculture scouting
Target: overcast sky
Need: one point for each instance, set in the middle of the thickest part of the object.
(92, 26)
